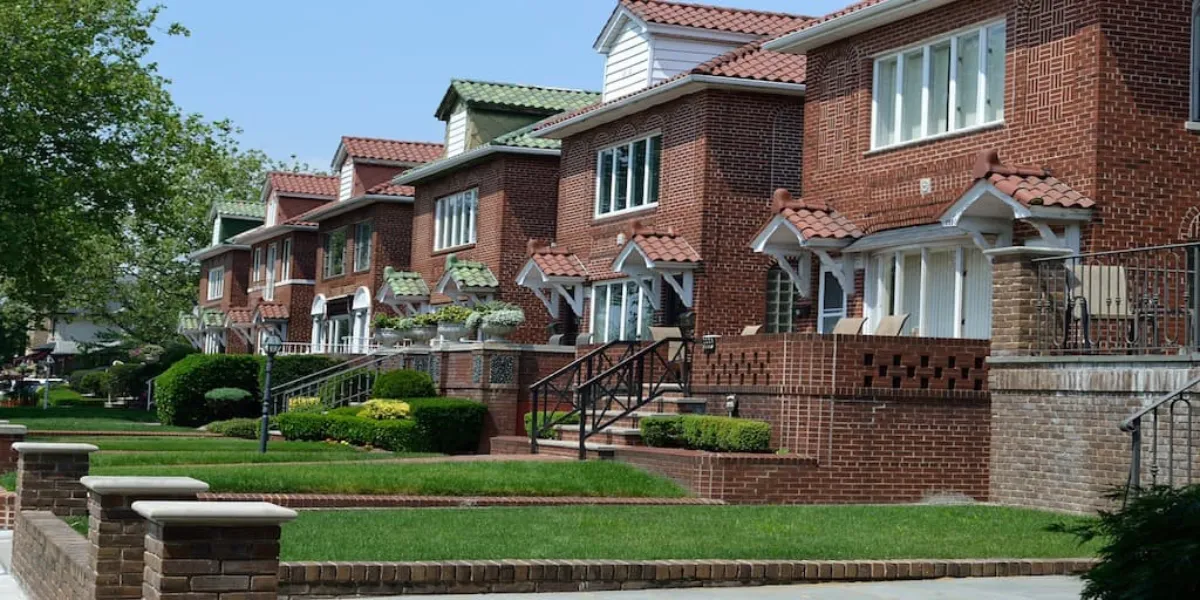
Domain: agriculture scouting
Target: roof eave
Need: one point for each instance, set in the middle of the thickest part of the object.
(447, 165)
(255, 236)
(839, 28)
(217, 250)
(345, 206)
(649, 98)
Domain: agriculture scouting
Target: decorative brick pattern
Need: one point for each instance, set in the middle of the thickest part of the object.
(502, 370)
(304, 580)
(50, 560)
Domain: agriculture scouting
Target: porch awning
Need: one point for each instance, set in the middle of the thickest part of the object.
(800, 227)
(468, 278)
(650, 256)
(403, 288)
(271, 311)
(212, 318)
(188, 323)
(552, 274)
(239, 318)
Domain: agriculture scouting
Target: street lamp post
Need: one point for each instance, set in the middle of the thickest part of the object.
(271, 345)
(49, 362)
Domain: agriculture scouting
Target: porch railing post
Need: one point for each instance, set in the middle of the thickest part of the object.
(1135, 448)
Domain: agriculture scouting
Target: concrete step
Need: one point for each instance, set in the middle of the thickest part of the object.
(613, 436)
(571, 448)
(633, 419)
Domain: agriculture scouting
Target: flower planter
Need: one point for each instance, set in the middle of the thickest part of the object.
(422, 335)
(451, 332)
(387, 338)
(496, 333)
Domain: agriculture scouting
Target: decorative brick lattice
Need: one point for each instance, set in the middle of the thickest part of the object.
(502, 371)
(477, 368)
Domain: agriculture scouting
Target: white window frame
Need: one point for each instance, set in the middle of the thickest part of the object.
(256, 274)
(612, 188)
(824, 313)
(327, 246)
(601, 337)
(889, 264)
(285, 260)
(346, 180)
(362, 262)
(454, 220)
(216, 283)
(926, 94)
(269, 284)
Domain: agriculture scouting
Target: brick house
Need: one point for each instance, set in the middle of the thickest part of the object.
(660, 181)
(364, 232)
(224, 277)
(495, 189)
(282, 269)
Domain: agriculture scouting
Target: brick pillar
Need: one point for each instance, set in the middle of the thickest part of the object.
(1015, 298)
(117, 533)
(9, 435)
(48, 477)
(211, 550)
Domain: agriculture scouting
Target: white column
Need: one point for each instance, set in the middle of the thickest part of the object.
(898, 284)
(959, 288)
(923, 311)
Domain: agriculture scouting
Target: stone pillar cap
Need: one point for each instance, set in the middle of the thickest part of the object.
(48, 448)
(144, 486)
(9, 429)
(169, 512)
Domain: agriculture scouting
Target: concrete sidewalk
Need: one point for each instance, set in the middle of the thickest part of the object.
(8, 585)
(1003, 588)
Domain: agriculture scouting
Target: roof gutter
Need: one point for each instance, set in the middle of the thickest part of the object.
(257, 235)
(839, 28)
(445, 165)
(219, 249)
(666, 92)
(345, 206)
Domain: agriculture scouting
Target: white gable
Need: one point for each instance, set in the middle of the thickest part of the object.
(346, 180)
(673, 55)
(456, 131)
(627, 66)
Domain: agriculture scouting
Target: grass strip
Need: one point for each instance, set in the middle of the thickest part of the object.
(119, 459)
(200, 444)
(593, 479)
(680, 532)
(85, 418)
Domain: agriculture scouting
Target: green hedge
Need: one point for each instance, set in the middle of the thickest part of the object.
(447, 425)
(700, 432)
(238, 428)
(450, 425)
(181, 389)
(403, 383)
(558, 418)
(290, 368)
(225, 403)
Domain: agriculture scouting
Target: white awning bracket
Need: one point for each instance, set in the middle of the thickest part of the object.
(800, 274)
(683, 282)
(842, 268)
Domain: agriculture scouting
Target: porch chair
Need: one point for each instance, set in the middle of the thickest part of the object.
(751, 329)
(666, 333)
(892, 325)
(1104, 291)
(849, 326)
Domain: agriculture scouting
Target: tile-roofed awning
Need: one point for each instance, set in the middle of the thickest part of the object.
(397, 151)
(188, 323)
(513, 96)
(271, 311)
(303, 184)
(469, 278)
(658, 247)
(801, 228)
(407, 288)
(554, 273)
(718, 18)
(241, 318)
(212, 318)
(651, 255)
(239, 209)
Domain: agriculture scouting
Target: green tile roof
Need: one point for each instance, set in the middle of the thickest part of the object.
(212, 317)
(521, 138)
(469, 274)
(234, 208)
(515, 96)
(405, 284)
(188, 322)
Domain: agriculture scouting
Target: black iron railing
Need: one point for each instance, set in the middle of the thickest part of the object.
(1140, 301)
(338, 385)
(554, 399)
(1164, 434)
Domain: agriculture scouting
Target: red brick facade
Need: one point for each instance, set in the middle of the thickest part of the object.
(518, 198)
(391, 234)
(722, 155)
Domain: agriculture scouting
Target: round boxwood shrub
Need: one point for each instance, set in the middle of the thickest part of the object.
(181, 389)
(230, 403)
(94, 383)
(403, 383)
(238, 428)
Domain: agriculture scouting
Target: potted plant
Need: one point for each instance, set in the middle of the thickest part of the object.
(498, 325)
(451, 322)
(387, 330)
(479, 311)
(422, 328)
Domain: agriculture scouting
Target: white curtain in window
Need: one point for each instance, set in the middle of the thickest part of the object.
(885, 103)
(967, 89)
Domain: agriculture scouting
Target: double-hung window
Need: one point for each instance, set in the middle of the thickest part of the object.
(833, 301)
(256, 273)
(285, 261)
(454, 220)
(269, 285)
(952, 84)
(620, 312)
(627, 176)
(781, 302)
(335, 253)
(362, 246)
(216, 283)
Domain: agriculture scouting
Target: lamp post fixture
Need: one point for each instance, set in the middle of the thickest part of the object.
(49, 362)
(271, 345)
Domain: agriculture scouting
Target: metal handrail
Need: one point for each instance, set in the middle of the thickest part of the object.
(575, 363)
(1133, 426)
(1115, 252)
(1130, 424)
(344, 366)
(540, 391)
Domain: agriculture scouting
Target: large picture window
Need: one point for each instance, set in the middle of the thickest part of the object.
(620, 312)
(335, 253)
(454, 220)
(627, 176)
(781, 302)
(946, 291)
(216, 282)
(362, 246)
(953, 84)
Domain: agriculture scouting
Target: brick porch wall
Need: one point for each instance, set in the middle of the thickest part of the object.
(50, 559)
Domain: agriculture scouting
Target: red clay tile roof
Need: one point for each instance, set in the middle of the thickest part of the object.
(556, 261)
(303, 183)
(391, 150)
(272, 311)
(718, 18)
(1031, 186)
(239, 316)
(853, 8)
(388, 189)
(814, 219)
(749, 61)
(663, 246)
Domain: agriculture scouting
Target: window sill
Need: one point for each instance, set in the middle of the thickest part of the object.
(1192, 126)
(623, 214)
(935, 138)
(445, 251)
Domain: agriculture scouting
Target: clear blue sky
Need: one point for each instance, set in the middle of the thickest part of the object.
(296, 75)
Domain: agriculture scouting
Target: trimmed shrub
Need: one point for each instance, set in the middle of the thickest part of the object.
(94, 383)
(305, 404)
(346, 411)
(230, 403)
(449, 425)
(126, 379)
(238, 428)
(383, 410)
(292, 367)
(355, 430)
(701, 432)
(398, 436)
(341, 388)
(305, 427)
(404, 383)
(558, 418)
(181, 389)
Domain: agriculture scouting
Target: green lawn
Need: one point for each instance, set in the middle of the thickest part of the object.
(85, 418)
(441, 479)
(206, 444)
(679, 532)
(226, 457)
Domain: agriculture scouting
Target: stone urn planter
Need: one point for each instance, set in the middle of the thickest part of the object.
(422, 334)
(451, 332)
(494, 332)
(388, 338)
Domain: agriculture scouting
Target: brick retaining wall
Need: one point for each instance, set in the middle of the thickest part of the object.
(304, 580)
(50, 559)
